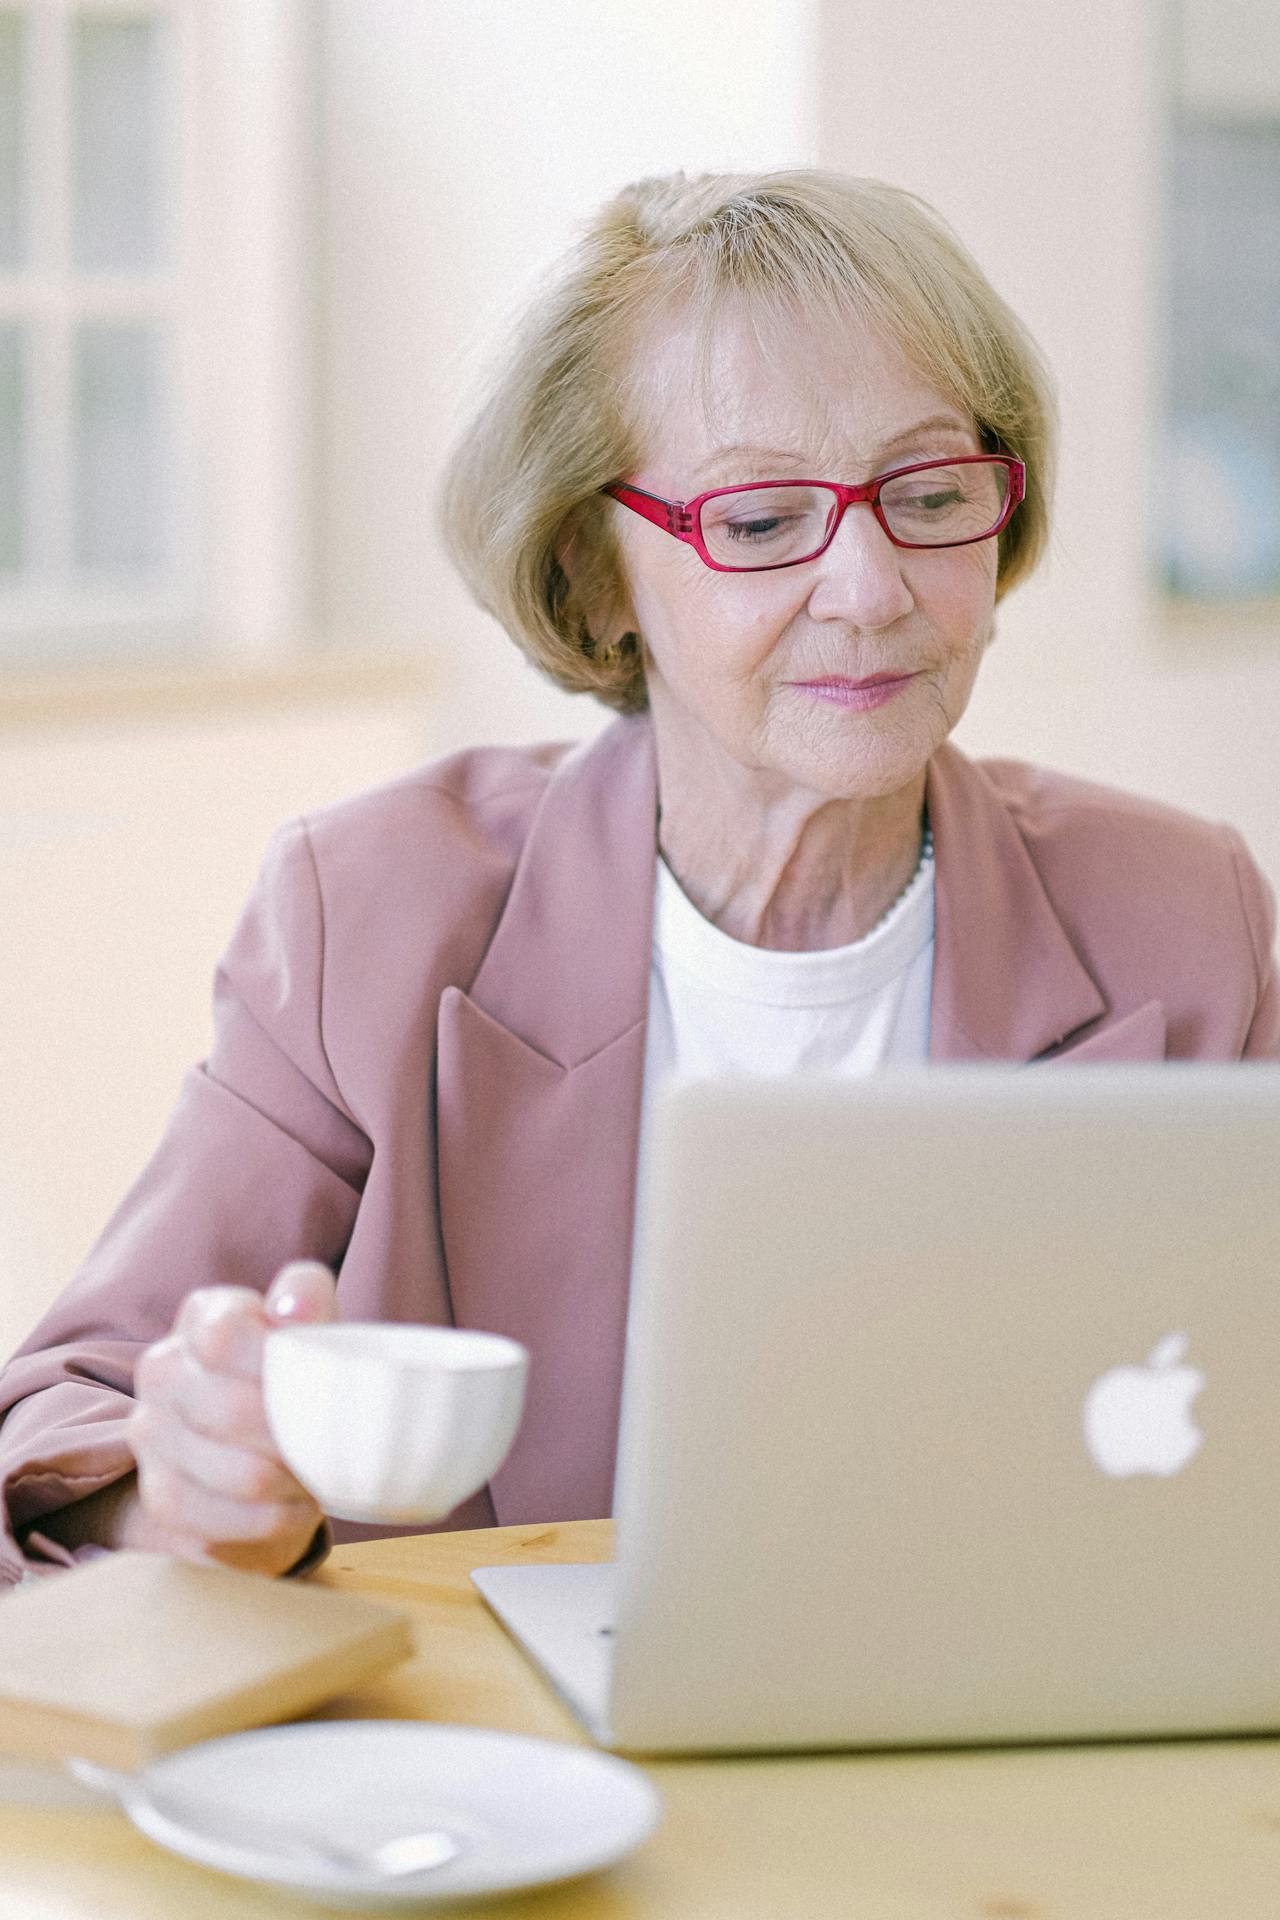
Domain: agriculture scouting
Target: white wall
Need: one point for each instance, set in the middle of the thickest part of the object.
(464, 140)
(125, 854)
(1229, 57)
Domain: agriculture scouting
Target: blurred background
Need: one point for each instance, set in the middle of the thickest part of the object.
(251, 254)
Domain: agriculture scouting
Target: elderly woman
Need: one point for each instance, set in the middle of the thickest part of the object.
(756, 472)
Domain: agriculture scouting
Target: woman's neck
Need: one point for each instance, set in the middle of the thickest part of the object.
(793, 871)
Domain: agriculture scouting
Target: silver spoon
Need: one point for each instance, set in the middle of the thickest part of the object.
(397, 1858)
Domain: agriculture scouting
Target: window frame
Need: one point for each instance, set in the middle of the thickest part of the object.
(233, 302)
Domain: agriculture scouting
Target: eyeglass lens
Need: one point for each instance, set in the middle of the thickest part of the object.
(938, 506)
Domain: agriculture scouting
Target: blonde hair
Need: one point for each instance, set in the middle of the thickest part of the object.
(557, 422)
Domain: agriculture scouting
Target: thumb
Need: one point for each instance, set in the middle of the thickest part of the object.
(305, 1290)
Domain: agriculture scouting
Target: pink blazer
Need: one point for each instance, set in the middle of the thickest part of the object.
(428, 1053)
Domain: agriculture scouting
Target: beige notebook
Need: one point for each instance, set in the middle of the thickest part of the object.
(136, 1654)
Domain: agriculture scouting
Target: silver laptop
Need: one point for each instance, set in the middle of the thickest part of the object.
(951, 1414)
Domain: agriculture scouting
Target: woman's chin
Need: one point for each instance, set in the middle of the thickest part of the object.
(859, 762)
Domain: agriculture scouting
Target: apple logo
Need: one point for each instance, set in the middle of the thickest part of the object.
(1138, 1419)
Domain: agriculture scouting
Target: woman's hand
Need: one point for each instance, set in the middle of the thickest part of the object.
(211, 1485)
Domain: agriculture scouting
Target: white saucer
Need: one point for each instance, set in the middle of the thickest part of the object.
(526, 1811)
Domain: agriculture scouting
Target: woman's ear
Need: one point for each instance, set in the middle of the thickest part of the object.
(605, 626)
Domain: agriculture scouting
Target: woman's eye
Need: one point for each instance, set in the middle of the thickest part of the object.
(752, 529)
(931, 502)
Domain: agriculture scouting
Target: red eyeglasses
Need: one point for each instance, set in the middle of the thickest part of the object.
(783, 523)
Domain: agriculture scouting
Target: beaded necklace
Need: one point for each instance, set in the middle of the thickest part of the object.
(926, 854)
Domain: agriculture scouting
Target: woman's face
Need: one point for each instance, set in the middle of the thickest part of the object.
(728, 654)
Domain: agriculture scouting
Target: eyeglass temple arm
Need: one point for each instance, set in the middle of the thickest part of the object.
(667, 514)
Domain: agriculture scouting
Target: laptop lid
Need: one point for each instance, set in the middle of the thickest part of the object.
(950, 1410)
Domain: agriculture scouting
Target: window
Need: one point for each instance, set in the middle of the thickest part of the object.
(96, 530)
(154, 167)
(1218, 480)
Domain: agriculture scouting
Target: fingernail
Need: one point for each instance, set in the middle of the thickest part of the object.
(290, 1293)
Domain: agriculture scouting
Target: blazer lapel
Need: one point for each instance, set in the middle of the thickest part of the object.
(540, 1072)
(1007, 982)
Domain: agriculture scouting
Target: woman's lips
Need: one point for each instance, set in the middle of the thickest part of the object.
(859, 694)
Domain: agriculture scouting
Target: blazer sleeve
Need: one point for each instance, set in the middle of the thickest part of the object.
(1257, 896)
(261, 1162)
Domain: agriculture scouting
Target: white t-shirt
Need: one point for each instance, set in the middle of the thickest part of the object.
(718, 1006)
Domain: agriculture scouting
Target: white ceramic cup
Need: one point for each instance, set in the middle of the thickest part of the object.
(388, 1423)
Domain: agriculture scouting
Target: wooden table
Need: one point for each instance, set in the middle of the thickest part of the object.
(1180, 1831)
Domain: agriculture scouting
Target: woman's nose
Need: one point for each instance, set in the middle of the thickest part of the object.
(860, 576)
